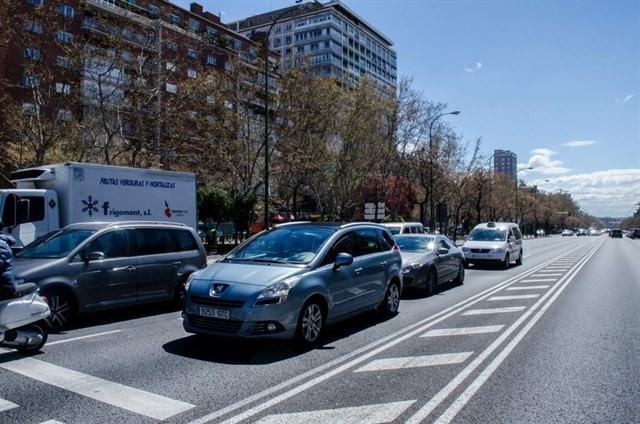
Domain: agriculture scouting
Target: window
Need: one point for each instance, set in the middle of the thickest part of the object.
(386, 241)
(270, 18)
(172, 45)
(345, 245)
(32, 54)
(33, 26)
(211, 31)
(63, 88)
(131, 1)
(65, 10)
(366, 242)
(211, 60)
(30, 81)
(64, 37)
(194, 25)
(29, 108)
(154, 241)
(192, 114)
(170, 66)
(185, 240)
(192, 53)
(153, 9)
(64, 115)
(174, 19)
(114, 244)
(36, 208)
(35, 2)
(192, 73)
(211, 99)
(171, 88)
(260, 20)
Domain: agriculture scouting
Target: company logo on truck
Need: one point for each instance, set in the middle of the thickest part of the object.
(168, 212)
(90, 205)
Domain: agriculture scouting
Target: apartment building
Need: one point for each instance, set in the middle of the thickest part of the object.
(505, 162)
(333, 37)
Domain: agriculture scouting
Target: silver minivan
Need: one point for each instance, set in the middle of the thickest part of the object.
(98, 266)
(496, 243)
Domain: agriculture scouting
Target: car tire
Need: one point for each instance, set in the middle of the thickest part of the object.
(431, 283)
(507, 260)
(310, 323)
(391, 301)
(459, 280)
(63, 308)
(520, 259)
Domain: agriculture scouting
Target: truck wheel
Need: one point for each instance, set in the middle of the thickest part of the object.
(63, 308)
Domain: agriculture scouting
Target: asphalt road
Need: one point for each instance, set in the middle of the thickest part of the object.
(554, 340)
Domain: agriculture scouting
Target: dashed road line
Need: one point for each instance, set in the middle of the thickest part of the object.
(537, 280)
(494, 310)
(415, 361)
(83, 337)
(528, 288)
(5, 405)
(463, 331)
(515, 297)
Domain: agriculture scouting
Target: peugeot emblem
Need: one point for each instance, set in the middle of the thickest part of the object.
(218, 289)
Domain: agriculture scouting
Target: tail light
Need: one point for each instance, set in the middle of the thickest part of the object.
(395, 247)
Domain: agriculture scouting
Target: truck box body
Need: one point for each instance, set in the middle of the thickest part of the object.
(78, 192)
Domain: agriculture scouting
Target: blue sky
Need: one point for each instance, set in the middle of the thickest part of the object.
(555, 81)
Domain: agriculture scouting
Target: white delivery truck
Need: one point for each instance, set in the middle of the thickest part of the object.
(50, 197)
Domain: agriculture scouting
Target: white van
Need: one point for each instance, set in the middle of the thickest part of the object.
(496, 243)
(405, 228)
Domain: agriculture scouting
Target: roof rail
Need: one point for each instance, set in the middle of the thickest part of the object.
(350, 224)
(284, 224)
(178, 224)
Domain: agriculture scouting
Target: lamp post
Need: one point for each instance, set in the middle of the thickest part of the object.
(535, 202)
(523, 169)
(431, 204)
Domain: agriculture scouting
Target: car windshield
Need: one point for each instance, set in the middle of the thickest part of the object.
(290, 245)
(394, 230)
(488, 234)
(56, 244)
(415, 244)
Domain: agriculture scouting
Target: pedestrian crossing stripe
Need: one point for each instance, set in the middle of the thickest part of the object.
(5, 405)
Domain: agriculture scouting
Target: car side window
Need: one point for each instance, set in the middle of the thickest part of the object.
(366, 242)
(153, 241)
(185, 240)
(386, 241)
(344, 245)
(114, 244)
(517, 233)
(442, 244)
(447, 243)
(406, 230)
(420, 229)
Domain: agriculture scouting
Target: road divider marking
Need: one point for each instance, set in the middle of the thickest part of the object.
(415, 362)
(538, 280)
(529, 288)
(52, 422)
(463, 331)
(515, 297)
(134, 400)
(494, 310)
(83, 337)
(548, 274)
(382, 413)
(5, 405)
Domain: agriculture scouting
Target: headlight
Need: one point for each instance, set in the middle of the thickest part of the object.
(411, 267)
(277, 293)
(190, 278)
(498, 250)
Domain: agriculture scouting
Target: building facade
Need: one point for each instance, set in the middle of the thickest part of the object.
(335, 40)
(505, 162)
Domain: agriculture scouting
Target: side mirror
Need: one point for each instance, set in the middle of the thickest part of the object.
(442, 251)
(94, 256)
(343, 259)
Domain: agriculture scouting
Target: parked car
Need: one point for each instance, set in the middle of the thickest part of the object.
(582, 232)
(635, 233)
(567, 233)
(428, 261)
(97, 266)
(293, 279)
(616, 233)
(405, 228)
(494, 243)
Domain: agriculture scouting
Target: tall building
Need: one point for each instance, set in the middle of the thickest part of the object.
(505, 162)
(336, 40)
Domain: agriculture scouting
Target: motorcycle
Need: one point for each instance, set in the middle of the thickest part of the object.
(23, 324)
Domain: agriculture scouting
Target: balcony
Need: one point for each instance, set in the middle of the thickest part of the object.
(121, 9)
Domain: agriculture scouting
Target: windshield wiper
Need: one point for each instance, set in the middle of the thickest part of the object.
(276, 261)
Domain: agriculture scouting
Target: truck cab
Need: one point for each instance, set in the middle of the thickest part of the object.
(28, 213)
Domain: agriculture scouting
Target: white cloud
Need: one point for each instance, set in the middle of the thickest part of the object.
(604, 193)
(625, 100)
(467, 69)
(471, 70)
(579, 143)
(478, 65)
(542, 162)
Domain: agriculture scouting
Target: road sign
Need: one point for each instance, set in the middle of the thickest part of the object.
(370, 211)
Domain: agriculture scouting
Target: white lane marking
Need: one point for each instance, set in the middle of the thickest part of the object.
(374, 414)
(5, 405)
(415, 362)
(463, 331)
(323, 372)
(52, 422)
(538, 280)
(464, 398)
(494, 310)
(426, 410)
(83, 337)
(547, 274)
(515, 297)
(528, 288)
(135, 400)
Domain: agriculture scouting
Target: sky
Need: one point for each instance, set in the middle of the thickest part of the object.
(555, 81)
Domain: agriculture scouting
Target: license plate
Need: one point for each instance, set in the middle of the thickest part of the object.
(213, 313)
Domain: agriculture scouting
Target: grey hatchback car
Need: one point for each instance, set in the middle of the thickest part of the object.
(293, 280)
(97, 266)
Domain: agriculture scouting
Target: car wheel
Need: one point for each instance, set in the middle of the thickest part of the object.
(519, 260)
(62, 306)
(391, 301)
(310, 323)
(432, 283)
(507, 260)
(459, 280)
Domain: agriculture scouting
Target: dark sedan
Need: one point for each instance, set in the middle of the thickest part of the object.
(428, 261)
(616, 233)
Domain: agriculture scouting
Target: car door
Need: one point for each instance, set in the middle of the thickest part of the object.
(111, 280)
(446, 262)
(512, 245)
(159, 263)
(370, 262)
(342, 290)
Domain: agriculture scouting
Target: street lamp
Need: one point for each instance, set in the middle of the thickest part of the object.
(523, 169)
(431, 205)
(535, 201)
